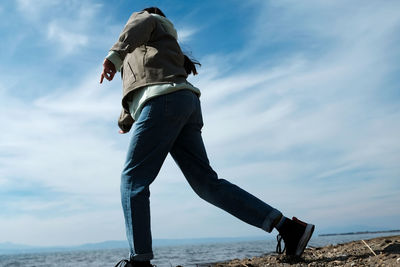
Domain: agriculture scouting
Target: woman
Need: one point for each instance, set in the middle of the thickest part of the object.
(165, 112)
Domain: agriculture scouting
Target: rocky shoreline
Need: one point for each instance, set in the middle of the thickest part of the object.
(381, 251)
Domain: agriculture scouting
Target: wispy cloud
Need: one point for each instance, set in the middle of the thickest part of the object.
(35, 9)
(64, 153)
(185, 34)
(312, 112)
(67, 25)
(69, 40)
(71, 229)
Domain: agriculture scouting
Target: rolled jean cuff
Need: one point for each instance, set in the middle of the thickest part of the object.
(271, 220)
(142, 257)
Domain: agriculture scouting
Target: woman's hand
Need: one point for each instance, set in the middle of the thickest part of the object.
(108, 70)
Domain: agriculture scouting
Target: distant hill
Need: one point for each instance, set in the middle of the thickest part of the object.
(362, 232)
(12, 248)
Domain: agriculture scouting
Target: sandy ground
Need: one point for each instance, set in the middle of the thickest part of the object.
(356, 253)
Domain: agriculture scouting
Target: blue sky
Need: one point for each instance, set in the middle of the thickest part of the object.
(301, 104)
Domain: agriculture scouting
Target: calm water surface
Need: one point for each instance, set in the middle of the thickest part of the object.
(187, 255)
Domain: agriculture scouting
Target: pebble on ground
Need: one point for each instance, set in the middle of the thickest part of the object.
(352, 254)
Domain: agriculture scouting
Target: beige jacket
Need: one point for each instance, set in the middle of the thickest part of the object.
(150, 55)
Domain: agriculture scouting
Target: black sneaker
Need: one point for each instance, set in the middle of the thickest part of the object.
(128, 263)
(295, 235)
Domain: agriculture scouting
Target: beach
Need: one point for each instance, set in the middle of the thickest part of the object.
(380, 251)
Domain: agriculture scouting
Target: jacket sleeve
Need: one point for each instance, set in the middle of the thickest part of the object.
(125, 121)
(136, 32)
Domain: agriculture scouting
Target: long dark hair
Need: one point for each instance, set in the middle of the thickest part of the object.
(188, 64)
(154, 10)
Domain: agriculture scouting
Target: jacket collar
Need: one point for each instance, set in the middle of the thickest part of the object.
(167, 24)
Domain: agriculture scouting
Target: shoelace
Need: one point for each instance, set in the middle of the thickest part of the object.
(279, 249)
(119, 264)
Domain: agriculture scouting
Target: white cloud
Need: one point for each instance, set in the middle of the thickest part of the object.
(61, 149)
(68, 25)
(63, 141)
(68, 40)
(67, 230)
(316, 114)
(34, 9)
(186, 34)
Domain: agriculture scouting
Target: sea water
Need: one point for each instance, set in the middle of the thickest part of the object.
(184, 255)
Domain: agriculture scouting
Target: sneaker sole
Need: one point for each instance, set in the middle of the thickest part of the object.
(304, 239)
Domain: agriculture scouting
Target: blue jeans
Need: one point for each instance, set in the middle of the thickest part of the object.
(172, 123)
